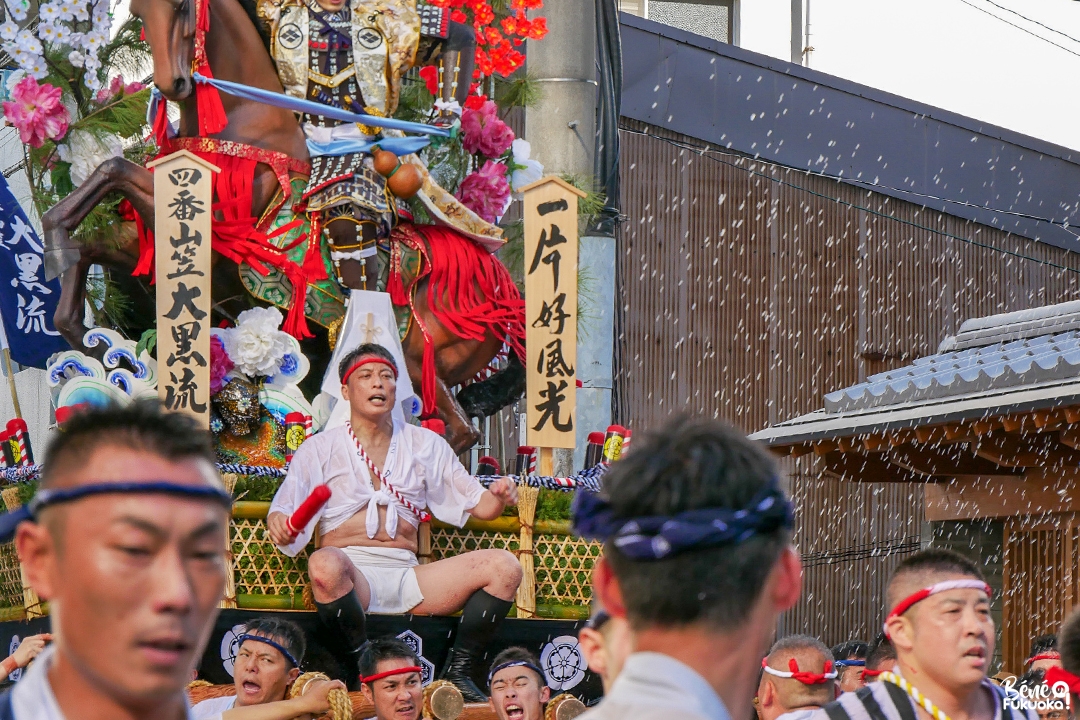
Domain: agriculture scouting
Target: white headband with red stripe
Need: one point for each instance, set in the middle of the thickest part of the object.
(904, 605)
(806, 678)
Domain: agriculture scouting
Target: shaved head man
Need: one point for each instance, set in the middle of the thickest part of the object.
(125, 539)
(798, 679)
(941, 629)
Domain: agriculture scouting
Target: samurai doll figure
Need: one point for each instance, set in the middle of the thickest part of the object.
(353, 54)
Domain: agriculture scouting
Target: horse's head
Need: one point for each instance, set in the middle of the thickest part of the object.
(170, 31)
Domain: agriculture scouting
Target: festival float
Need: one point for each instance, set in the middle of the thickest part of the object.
(205, 233)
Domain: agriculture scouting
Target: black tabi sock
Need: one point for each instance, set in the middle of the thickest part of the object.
(344, 618)
(481, 618)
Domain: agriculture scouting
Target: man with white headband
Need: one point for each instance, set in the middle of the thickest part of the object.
(698, 558)
(385, 477)
(940, 626)
(798, 678)
(125, 539)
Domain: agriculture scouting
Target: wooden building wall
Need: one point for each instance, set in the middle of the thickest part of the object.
(747, 290)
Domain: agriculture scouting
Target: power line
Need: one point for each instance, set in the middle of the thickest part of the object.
(1021, 29)
(1032, 20)
(709, 153)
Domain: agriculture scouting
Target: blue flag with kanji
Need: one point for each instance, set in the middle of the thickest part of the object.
(27, 301)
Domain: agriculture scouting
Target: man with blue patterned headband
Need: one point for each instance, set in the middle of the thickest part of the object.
(267, 664)
(125, 539)
(698, 557)
(518, 687)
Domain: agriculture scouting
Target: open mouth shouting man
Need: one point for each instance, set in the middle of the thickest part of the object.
(519, 690)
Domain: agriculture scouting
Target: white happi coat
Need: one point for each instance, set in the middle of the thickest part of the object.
(419, 464)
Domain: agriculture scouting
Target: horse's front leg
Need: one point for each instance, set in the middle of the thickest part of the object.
(70, 258)
(70, 315)
(134, 183)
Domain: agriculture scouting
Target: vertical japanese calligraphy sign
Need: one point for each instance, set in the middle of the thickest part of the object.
(551, 274)
(27, 300)
(182, 198)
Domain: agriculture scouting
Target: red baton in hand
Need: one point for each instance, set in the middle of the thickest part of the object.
(307, 510)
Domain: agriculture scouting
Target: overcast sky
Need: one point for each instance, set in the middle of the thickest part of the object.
(944, 53)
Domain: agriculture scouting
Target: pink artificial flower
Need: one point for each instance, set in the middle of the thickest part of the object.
(486, 191)
(220, 364)
(133, 87)
(483, 131)
(37, 112)
(114, 88)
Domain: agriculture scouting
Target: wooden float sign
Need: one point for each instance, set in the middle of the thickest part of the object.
(551, 274)
(183, 185)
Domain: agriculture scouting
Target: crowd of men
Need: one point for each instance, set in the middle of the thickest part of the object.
(125, 539)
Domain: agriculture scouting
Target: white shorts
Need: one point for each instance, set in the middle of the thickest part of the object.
(390, 575)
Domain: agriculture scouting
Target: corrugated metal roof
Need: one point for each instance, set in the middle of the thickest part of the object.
(807, 119)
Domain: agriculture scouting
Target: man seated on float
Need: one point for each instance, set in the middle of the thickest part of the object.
(267, 664)
(391, 679)
(519, 689)
(382, 474)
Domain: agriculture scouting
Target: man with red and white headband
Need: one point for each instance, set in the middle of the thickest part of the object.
(798, 678)
(941, 629)
(1044, 653)
(384, 477)
(391, 679)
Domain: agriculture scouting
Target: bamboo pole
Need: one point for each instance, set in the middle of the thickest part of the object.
(424, 544)
(526, 594)
(229, 598)
(31, 601)
(10, 370)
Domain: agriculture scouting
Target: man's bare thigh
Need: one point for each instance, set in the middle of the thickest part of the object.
(447, 584)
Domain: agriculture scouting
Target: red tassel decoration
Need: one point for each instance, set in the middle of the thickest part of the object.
(212, 118)
(160, 129)
(314, 268)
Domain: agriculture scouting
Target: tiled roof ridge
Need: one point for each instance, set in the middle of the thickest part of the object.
(1016, 325)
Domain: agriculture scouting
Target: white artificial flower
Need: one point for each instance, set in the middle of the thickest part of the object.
(48, 33)
(63, 34)
(37, 68)
(524, 171)
(256, 346)
(94, 40)
(8, 30)
(14, 79)
(86, 151)
(49, 12)
(92, 63)
(80, 11)
(26, 41)
(76, 58)
(19, 9)
(448, 107)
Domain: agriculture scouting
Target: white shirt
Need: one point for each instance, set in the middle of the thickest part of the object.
(802, 714)
(212, 708)
(33, 698)
(653, 686)
(419, 464)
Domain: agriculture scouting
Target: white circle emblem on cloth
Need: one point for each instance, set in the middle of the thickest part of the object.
(230, 646)
(563, 663)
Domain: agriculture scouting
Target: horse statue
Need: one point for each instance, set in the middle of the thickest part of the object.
(452, 326)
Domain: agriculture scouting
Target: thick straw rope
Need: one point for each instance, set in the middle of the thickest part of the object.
(920, 699)
(340, 704)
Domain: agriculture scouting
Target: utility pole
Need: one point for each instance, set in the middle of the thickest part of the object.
(562, 133)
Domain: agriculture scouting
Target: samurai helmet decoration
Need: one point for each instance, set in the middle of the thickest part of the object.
(238, 405)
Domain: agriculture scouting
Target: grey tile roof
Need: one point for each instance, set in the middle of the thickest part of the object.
(1002, 365)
